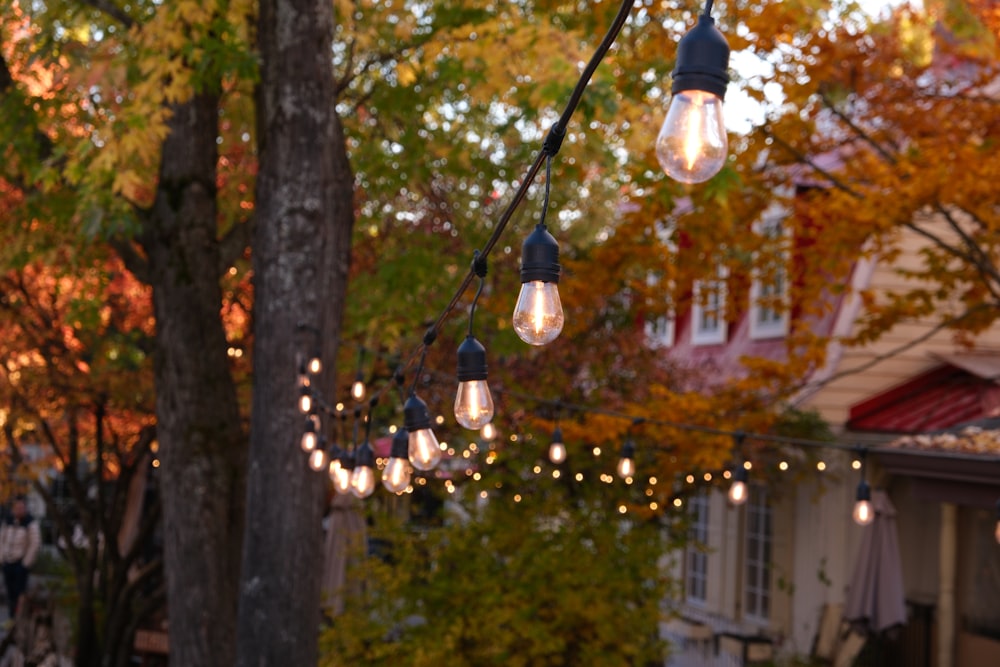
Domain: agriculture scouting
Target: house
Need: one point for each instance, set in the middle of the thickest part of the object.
(770, 577)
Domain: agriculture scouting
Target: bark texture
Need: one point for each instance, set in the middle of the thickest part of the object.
(202, 444)
(300, 256)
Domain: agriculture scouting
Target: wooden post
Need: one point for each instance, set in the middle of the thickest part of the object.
(946, 586)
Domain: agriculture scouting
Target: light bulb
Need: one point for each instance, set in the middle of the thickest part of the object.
(473, 404)
(738, 492)
(315, 364)
(305, 401)
(692, 144)
(309, 441)
(538, 315)
(626, 464)
(358, 388)
(317, 459)
(488, 432)
(424, 450)
(362, 482)
(334, 468)
(396, 475)
(342, 476)
(863, 513)
(557, 450)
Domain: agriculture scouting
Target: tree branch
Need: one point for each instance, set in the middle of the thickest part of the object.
(108, 8)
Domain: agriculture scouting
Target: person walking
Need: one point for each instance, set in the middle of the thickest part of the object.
(19, 543)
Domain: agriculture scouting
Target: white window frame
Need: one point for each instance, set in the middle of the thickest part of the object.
(758, 557)
(765, 321)
(701, 335)
(696, 554)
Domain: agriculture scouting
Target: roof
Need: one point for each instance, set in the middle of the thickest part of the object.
(961, 389)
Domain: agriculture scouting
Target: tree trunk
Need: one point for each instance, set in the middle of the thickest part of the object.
(300, 256)
(202, 446)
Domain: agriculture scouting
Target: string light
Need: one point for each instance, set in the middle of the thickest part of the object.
(309, 438)
(424, 450)
(692, 144)
(473, 401)
(862, 513)
(397, 473)
(738, 489)
(342, 475)
(358, 389)
(488, 432)
(317, 459)
(305, 400)
(538, 315)
(557, 450)
(363, 475)
(626, 462)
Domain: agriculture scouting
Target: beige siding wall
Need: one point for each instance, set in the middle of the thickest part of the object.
(897, 356)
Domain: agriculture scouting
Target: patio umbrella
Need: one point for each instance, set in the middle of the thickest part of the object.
(876, 599)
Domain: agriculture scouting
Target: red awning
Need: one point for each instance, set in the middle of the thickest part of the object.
(937, 399)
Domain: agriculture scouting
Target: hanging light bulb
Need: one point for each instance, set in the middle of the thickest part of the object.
(738, 489)
(626, 464)
(358, 389)
(309, 438)
(424, 450)
(334, 467)
(557, 450)
(538, 315)
(317, 459)
(396, 475)
(488, 432)
(692, 144)
(863, 513)
(315, 363)
(305, 400)
(342, 475)
(363, 475)
(473, 402)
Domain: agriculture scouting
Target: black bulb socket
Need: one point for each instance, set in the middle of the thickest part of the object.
(540, 257)
(702, 60)
(740, 474)
(864, 491)
(347, 461)
(364, 457)
(400, 445)
(557, 436)
(471, 360)
(415, 414)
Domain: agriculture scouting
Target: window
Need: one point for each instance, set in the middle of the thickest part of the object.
(659, 323)
(708, 313)
(759, 536)
(696, 573)
(769, 289)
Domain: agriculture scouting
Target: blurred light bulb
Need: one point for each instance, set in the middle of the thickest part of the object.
(342, 476)
(396, 475)
(334, 468)
(626, 464)
(488, 432)
(557, 450)
(473, 404)
(424, 450)
(692, 144)
(738, 492)
(362, 481)
(863, 513)
(305, 401)
(309, 441)
(315, 364)
(317, 459)
(538, 315)
(358, 389)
